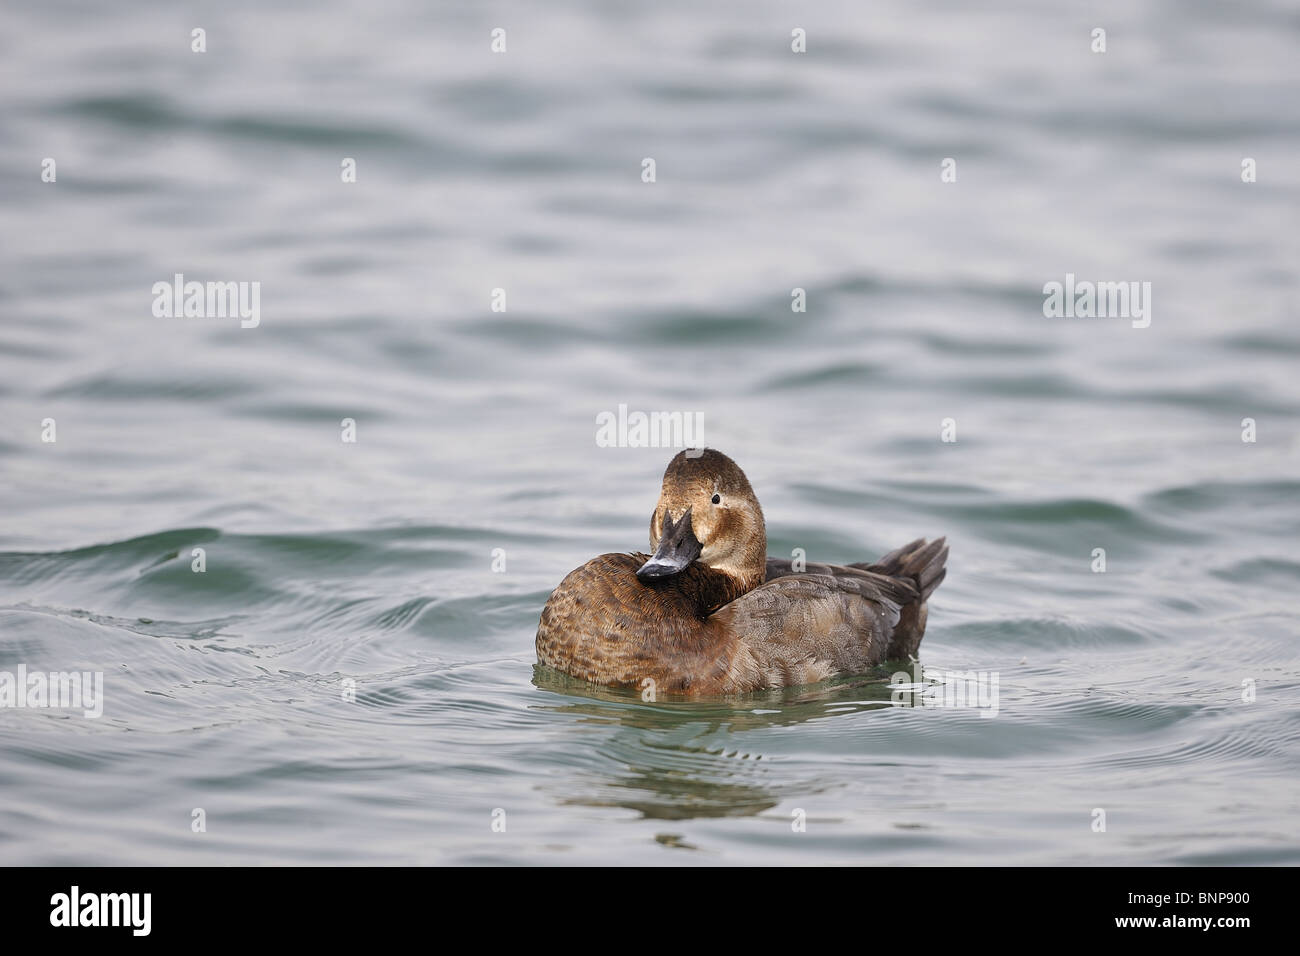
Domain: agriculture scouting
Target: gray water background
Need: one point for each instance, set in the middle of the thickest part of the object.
(371, 562)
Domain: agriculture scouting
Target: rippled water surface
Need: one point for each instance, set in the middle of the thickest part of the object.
(370, 564)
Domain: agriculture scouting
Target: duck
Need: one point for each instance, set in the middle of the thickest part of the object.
(707, 613)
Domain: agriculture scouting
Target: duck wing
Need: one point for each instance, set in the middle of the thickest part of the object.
(803, 627)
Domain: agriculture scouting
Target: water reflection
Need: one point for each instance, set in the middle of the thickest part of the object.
(677, 758)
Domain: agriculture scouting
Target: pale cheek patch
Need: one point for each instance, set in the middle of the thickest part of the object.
(723, 559)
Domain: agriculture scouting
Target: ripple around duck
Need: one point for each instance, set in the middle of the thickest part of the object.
(837, 373)
(1212, 495)
(539, 333)
(130, 549)
(132, 389)
(309, 554)
(400, 617)
(1058, 523)
(1052, 525)
(151, 112)
(195, 630)
(1011, 634)
(678, 328)
(1265, 343)
(1262, 572)
(134, 110)
(1220, 749)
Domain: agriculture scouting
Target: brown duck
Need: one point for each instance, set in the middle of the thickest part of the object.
(709, 613)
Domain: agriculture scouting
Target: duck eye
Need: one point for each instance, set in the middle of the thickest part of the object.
(717, 499)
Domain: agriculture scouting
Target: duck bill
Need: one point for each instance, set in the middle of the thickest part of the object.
(678, 547)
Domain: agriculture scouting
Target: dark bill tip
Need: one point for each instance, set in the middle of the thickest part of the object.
(677, 549)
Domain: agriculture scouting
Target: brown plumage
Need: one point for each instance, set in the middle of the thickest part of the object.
(709, 613)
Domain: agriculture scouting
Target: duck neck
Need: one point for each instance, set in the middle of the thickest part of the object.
(741, 577)
(749, 569)
(703, 589)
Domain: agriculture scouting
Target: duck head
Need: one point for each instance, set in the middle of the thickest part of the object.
(707, 512)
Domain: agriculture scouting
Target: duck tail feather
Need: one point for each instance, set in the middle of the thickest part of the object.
(892, 563)
(919, 561)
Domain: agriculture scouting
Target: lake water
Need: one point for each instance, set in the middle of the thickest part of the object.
(1162, 691)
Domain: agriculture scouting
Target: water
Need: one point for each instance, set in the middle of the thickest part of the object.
(372, 561)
